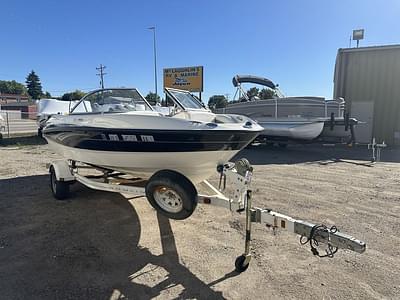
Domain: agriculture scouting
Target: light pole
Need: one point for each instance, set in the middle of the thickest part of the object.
(155, 58)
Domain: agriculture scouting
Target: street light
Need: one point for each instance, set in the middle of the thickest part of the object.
(155, 58)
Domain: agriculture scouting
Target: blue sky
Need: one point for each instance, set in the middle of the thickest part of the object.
(294, 43)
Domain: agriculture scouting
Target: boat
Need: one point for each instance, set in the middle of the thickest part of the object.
(117, 129)
(48, 107)
(302, 118)
(119, 134)
(293, 129)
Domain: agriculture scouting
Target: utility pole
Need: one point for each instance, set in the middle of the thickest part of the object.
(101, 74)
(155, 58)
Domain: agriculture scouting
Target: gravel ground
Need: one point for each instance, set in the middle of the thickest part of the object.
(100, 245)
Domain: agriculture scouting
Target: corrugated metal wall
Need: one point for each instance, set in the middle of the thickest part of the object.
(372, 74)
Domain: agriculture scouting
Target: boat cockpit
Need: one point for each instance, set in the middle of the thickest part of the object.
(119, 100)
(180, 104)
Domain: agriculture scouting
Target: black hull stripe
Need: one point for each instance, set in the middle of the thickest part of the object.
(160, 132)
(149, 140)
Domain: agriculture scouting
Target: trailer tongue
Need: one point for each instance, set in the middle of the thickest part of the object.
(239, 175)
(233, 193)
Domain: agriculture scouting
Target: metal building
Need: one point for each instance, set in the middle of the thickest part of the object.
(368, 78)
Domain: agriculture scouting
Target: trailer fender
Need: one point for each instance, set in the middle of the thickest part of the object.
(62, 170)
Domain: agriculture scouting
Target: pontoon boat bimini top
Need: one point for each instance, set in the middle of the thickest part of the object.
(238, 79)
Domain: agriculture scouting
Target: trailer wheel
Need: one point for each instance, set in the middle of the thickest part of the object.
(172, 194)
(239, 264)
(60, 189)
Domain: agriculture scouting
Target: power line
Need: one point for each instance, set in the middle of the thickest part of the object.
(101, 74)
(69, 90)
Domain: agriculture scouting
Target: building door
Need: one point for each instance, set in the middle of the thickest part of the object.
(364, 112)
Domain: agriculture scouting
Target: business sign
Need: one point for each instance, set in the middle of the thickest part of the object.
(358, 34)
(187, 78)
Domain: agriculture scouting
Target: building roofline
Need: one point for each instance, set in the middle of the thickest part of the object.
(370, 48)
(25, 103)
(13, 95)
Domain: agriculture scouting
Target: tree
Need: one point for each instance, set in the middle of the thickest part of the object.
(217, 101)
(47, 95)
(251, 93)
(75, 95)
(34, 86)
(12, 87)
(266, 94)
(153, 98)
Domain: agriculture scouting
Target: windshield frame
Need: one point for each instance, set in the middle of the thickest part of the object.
(71, 111)
(169, 92)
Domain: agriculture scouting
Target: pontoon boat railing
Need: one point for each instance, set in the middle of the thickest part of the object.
(338, 104)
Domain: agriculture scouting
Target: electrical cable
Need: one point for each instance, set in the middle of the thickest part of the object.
(312, 240)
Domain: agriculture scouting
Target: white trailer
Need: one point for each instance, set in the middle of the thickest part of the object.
(233, 193)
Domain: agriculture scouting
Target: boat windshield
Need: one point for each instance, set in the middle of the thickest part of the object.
(186, 99)
(112, 101)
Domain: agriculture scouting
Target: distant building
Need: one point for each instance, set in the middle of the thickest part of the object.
(18, 103)
(11, 98)
(27, 109)
(368, 78)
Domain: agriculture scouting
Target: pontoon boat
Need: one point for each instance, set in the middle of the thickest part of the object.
(291, 118)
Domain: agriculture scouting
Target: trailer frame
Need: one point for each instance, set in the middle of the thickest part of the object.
(233, 193)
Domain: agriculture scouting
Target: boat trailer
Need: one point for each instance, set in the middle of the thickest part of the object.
(376, 150)
(233, 193)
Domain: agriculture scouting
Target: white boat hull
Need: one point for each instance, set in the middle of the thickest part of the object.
(297, 130)
(197, 166)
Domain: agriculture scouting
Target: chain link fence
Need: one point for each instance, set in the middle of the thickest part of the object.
(14, 123)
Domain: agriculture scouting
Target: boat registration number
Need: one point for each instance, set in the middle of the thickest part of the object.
(130, 137)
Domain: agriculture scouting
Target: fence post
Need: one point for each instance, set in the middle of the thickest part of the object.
(8, 124)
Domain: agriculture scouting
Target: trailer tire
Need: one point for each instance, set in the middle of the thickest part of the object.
(60, 189)
(172, 194)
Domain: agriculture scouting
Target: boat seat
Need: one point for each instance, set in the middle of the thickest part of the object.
(202, 116)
